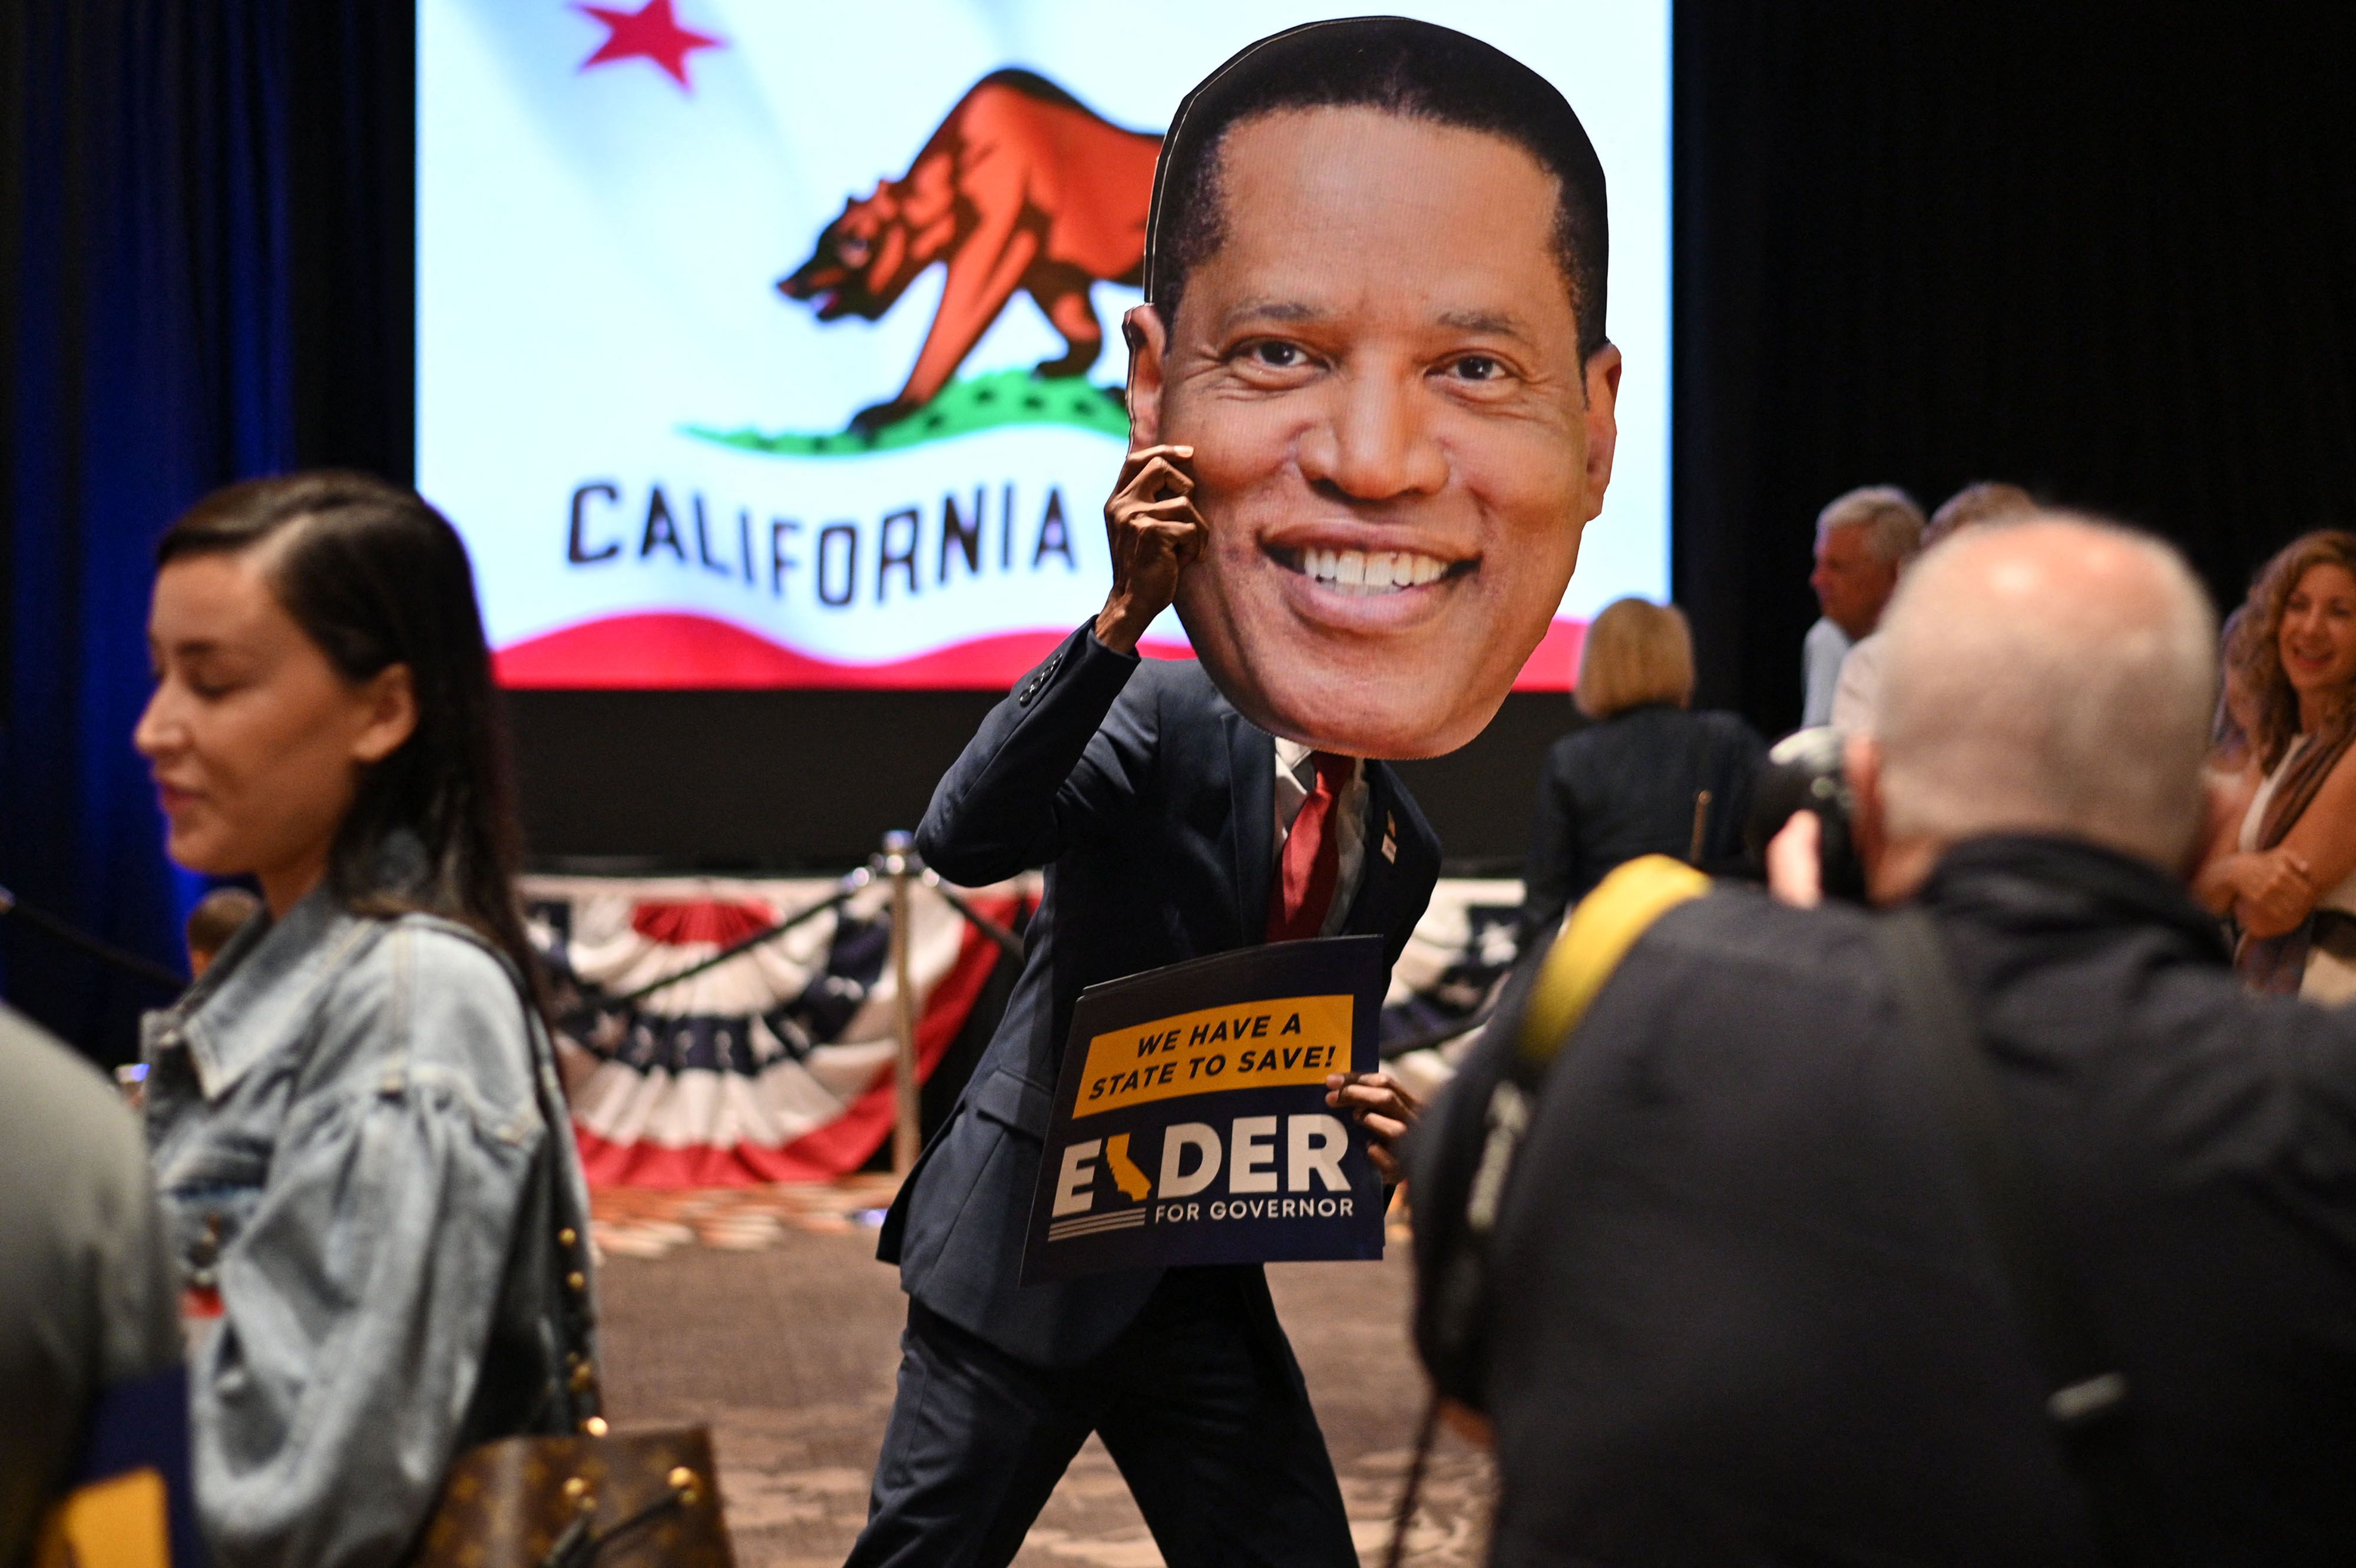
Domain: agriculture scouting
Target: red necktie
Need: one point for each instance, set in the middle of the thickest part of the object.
(1312, 863)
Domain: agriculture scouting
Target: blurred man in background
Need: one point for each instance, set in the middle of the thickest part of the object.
(1859, 689)
(1762, 1305)
(1863, 538)
(215, 920)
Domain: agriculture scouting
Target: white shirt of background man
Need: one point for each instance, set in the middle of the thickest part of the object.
(1859, 696)
(1820, 663)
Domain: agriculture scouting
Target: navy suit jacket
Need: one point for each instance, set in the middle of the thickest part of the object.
(1150, 801)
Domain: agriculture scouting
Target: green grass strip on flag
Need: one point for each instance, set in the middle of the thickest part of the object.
(982, 403)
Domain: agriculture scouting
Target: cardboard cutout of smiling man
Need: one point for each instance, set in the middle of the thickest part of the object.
(1370, 396)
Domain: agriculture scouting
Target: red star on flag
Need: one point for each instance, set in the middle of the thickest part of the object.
(651, 32)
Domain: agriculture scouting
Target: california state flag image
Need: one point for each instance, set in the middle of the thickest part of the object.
(778, 345)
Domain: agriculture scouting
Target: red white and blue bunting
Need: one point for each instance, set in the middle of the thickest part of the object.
(774, 1066)
(777, 1065)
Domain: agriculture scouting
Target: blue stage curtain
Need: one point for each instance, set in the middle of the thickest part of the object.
(144, 332)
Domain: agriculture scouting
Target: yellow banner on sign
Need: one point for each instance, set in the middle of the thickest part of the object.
(1253, 1044)
(120, 1522)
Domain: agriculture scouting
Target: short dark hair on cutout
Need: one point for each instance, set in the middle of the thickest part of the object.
(1412, 68)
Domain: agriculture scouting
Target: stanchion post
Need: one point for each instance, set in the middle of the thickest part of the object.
(899, 853)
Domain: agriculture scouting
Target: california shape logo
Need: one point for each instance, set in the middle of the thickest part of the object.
(1022, 189)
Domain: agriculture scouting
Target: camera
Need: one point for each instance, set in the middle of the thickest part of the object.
(1803, 773)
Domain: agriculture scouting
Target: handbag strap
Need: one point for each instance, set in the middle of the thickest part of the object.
(575, 1318)
(550, 1210)
(2087, 1404)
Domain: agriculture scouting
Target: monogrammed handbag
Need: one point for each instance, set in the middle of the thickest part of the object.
(629, 1500)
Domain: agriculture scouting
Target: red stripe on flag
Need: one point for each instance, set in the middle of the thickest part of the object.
(680, 652)
(1553, 666)
(697, 653)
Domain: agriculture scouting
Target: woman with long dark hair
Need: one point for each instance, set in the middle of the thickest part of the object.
(2284, 865)
(347, 1111)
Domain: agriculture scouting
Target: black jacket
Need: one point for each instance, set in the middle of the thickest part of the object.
(1624, 787)
(1151, 802)
(1748, 1313)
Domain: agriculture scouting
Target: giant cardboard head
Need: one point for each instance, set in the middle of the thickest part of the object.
(1376, 282)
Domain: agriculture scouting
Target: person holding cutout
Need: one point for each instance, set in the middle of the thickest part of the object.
(1370, 412)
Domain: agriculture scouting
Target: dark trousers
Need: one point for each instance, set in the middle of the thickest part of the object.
(1200, 1403)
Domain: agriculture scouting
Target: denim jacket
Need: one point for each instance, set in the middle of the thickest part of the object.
(345, 1136)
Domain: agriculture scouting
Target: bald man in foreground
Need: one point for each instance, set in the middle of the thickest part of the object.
(1745, 1305)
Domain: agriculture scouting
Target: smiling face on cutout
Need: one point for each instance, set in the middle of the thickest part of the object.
(1396, 443)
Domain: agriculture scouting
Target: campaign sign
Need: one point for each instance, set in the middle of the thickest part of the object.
(1191, 1123)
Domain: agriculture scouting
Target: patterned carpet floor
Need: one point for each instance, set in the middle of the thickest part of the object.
(764, 1313)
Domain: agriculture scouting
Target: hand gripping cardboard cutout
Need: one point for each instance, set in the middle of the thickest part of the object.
(1370, 395)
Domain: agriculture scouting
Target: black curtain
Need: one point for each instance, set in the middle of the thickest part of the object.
(203, 276)
(2108, 254)
(351, 222)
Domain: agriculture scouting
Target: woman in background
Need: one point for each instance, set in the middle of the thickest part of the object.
(1645, 777)
(346, 1125)
(2229, 732)
(2284, 864)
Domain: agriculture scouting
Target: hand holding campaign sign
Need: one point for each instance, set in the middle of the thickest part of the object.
(1191, 1123)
